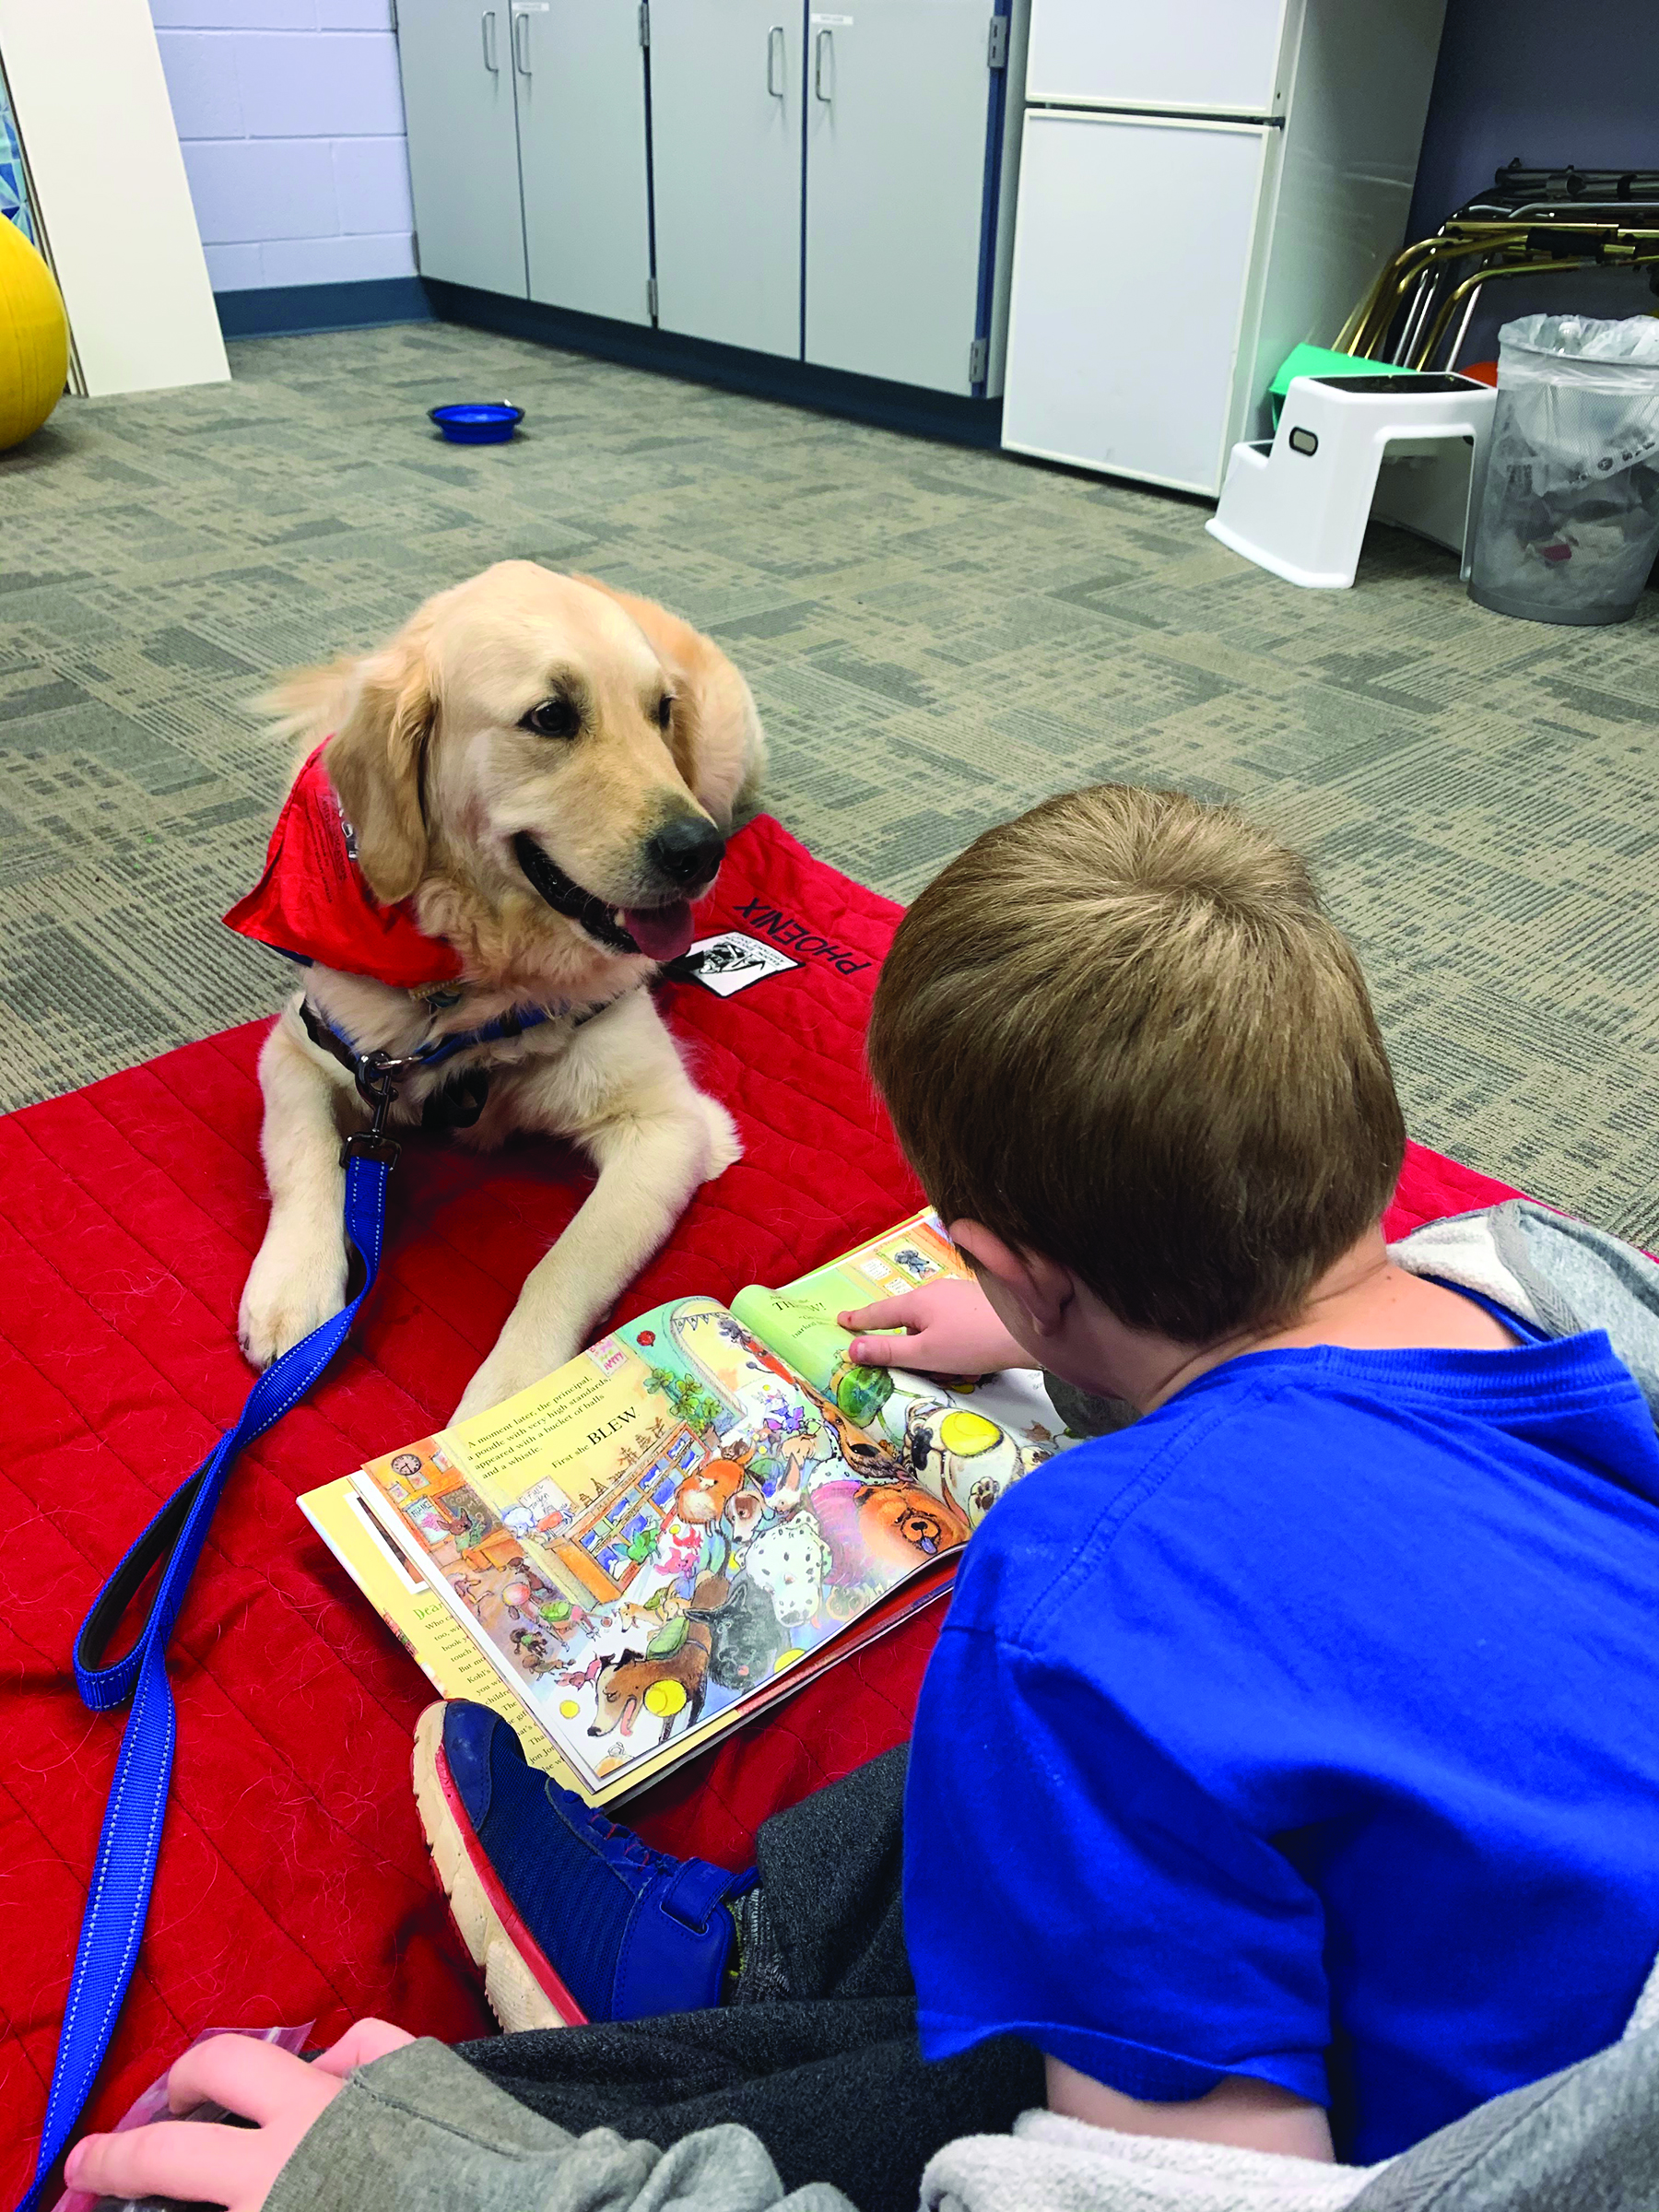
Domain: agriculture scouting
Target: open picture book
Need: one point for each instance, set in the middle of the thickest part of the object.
(688, 1520)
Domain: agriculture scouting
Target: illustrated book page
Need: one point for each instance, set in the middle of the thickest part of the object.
(390, 1577)
(963, 1438)
(660, 1539)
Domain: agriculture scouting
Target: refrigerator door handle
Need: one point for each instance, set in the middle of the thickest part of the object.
(823, 44)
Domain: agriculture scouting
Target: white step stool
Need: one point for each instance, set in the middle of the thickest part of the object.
(1298, 503)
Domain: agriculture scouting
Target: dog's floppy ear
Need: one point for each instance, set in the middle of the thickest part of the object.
(374, 762)
(685, 729)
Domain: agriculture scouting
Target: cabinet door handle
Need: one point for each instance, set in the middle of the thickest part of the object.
(776, 58)
(824, 44)
(492, 60)
(521, 46)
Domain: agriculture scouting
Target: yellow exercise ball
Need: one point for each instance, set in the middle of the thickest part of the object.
(34, 339)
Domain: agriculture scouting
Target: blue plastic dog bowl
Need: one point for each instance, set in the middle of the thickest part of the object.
(478, 422)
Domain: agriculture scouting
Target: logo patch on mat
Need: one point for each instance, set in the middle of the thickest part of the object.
(732, 962)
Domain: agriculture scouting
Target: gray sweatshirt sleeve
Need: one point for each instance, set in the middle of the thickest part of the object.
(421, 2131)
(1559, 1274)
(1084, 1414)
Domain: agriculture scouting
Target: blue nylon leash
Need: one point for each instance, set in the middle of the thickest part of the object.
(131, 1838)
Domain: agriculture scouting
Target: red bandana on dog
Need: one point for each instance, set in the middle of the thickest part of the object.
(312, 904)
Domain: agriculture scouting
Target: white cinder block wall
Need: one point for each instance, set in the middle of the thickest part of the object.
(290, 116)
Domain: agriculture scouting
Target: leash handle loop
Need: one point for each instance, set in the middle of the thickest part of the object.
(124, 1870)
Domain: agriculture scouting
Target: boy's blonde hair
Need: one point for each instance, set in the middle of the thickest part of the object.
(1121, 1031)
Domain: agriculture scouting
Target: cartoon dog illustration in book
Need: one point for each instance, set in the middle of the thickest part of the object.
(707, 1490)
(744, 1514)
(793, 1440)
(878, 1530)
(668, 1680)
(961, 1458)
(748, 1639)
(787, 1563)
(869, 1457)
(903, 1525)
(679, 1548)
(531, 1650)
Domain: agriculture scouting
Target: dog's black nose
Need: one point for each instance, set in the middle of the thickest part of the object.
(686, 849)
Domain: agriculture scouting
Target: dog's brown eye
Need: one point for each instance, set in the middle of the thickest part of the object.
(553, 718)
(664, 712)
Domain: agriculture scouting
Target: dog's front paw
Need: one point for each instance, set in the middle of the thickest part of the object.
(507, 1372)
(294, 1285)
(724, 1144)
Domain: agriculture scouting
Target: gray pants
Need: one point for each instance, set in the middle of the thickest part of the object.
(829, 2074)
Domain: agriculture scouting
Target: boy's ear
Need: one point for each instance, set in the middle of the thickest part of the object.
(1039, 1287)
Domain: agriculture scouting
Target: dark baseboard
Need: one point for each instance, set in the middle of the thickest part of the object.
(762, 375)
(287, 309)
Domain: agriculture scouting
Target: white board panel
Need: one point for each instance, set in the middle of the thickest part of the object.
(1124, 330)
(93, 108)
(1351, 141)
(1192, 57)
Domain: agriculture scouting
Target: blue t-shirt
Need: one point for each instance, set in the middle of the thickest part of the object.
(1308, 1729)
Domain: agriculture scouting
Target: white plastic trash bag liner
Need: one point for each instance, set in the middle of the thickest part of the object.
(1568, 515)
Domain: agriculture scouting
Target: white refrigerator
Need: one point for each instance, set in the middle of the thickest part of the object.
(1202, 185)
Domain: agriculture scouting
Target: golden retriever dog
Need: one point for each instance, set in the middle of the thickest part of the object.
(540, 773)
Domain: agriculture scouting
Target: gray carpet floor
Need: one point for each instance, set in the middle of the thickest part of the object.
(935, 637)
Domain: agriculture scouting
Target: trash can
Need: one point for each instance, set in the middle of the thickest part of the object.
(1568, 517)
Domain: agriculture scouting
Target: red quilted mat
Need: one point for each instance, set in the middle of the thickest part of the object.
(292, 1881)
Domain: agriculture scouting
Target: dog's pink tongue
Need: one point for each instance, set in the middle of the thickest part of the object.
(663, 932)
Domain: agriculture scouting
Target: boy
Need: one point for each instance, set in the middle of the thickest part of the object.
(1288, 1771)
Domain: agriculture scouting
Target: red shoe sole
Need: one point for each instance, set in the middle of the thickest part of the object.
(521, 1985)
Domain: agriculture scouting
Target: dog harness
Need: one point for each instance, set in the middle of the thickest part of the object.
(457, 1103)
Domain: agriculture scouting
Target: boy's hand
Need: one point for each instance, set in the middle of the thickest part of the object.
(200, 2162)
(950, 1328)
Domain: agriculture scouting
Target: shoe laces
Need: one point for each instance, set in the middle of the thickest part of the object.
(618, 1846)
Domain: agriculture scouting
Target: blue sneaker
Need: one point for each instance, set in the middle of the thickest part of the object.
(570, 1917)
